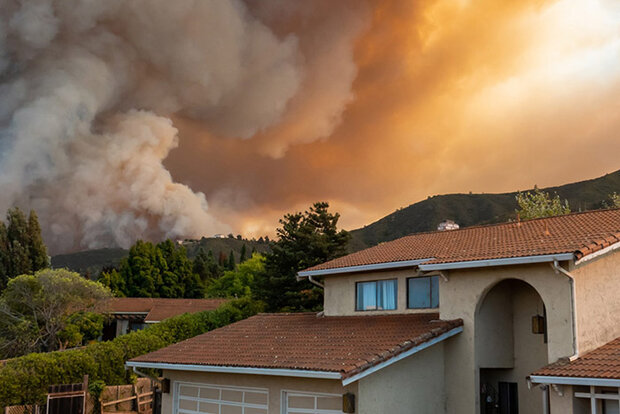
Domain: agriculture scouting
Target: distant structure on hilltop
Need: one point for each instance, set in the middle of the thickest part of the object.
(219, 236)
(447, 225)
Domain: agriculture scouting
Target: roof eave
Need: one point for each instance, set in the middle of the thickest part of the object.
(507, 261)
(300, 373)
(363, 268)
(596, 382)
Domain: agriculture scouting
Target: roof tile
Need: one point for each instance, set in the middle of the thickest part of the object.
(603, 362)
(578, 233)
(305, 341)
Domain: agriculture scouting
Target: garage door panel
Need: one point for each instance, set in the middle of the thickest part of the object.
(216, 399)
(312, 403)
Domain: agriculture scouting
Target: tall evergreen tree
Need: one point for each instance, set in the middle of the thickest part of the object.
(18, 236)
(243, 255)
(5, 262)
(231, 261)
(304, 240)
(36, 248)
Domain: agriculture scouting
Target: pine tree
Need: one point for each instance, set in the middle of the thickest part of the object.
(304, 240)
(18, 236)
(36, 248)
(231, 261)
(242, 257)
(5, 263)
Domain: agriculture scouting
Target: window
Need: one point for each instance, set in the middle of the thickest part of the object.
(377, 295)
(423, 292)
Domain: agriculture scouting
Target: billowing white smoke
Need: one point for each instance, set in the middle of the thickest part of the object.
(86, 87)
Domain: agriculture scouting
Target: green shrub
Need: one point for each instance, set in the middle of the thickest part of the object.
(25, 380)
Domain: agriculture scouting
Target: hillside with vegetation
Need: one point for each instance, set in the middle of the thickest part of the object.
(474, 209)
(92, 262)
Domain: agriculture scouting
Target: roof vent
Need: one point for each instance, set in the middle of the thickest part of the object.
(447, 225)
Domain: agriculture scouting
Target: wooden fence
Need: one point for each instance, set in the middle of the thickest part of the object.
(65, 399)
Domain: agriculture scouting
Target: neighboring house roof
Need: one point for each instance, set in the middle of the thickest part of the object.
(343, 345)
(601, 363)
(578, 234)
(158, 309)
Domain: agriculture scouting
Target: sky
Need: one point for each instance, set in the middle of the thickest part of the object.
(450, 96)
(152, 119)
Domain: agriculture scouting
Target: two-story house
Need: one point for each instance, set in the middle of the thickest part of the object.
(459, 321)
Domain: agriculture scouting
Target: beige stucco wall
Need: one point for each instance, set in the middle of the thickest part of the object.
(459, 298)
(597, 297)
(413, 385)
(340, 292)
(274, 384)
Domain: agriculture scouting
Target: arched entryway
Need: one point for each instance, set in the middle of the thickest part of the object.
(511, 342)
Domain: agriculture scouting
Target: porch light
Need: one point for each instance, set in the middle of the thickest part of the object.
(348, 403)
(538, 324)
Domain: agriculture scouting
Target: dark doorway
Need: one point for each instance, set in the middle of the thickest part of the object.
(508, 398)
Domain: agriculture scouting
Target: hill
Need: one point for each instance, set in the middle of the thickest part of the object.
(91, 262)
(473, 209)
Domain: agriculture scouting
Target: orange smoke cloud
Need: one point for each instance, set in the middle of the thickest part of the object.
(447, 97)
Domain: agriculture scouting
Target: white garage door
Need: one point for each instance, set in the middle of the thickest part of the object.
(309, 403)
(215, 399)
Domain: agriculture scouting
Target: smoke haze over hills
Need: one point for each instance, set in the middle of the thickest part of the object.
(149, 118)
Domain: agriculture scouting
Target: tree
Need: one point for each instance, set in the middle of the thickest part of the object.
(36, 308)
(238, 283)
(161, 270)
(540, 204)
(231, 261)
(22, 250)
(81, 328)
(244, 253)
(613, 201)
(36, 248)
(205, 266)
(304, 240)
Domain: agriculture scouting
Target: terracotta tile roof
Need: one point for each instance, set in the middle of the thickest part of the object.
(578, 233)
(603, 362)
(158, 309)
(305, 341)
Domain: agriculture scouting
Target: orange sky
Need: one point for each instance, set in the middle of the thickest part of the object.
(449, 96)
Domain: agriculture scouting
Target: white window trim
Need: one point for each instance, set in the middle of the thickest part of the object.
(177, 390)
(596, 397)
(286, 392)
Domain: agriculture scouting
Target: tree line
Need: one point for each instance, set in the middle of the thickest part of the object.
(22, 250)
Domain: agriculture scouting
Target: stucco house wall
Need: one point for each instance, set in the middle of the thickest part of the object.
(340, 292)
(274, 384)
(414, 384)
(460, 297)
(597, 283)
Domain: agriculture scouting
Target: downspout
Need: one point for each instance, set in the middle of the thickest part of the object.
(145, 375)
(314, 282)
(557, 268)
(545, 398)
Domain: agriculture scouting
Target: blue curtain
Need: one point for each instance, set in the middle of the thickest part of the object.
(386, 294)
(366, 296)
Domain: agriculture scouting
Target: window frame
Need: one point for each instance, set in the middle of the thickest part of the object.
(375, 281)
(430, 277)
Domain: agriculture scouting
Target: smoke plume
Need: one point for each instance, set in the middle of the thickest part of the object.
(88, 89)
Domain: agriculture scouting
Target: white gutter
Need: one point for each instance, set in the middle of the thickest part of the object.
(363, 268)
(403, 355)
(596, 382)
(598, 253)
(543, 258)
(300, 373)
(557, 268)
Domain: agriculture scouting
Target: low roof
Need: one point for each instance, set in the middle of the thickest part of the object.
(346, 345)
(578, 233)
(158, 309)
(601, 363)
